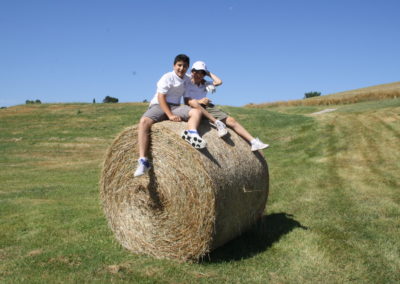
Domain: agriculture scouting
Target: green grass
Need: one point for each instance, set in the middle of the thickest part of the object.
(333, 213)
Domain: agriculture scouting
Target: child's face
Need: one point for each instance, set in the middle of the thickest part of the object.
(180, 68)
(198, 76)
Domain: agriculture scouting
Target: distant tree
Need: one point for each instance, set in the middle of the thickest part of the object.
(109, 99)
(94, 101)
(312, 94)
(29, 102)
(145, 101)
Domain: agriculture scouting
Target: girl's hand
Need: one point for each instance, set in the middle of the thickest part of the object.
(204, 101)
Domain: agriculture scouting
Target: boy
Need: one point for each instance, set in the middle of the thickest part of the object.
(166, 105)
(196, 97)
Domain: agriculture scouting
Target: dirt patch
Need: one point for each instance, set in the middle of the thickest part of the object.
(35, 252)
(323, 111)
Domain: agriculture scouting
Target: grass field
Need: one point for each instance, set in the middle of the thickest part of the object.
(333, 214)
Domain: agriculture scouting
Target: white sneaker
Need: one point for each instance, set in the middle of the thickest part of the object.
(221, 127)
(194, 139)
(258, 145)
(143, 167)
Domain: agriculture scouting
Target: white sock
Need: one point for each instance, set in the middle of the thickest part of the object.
(253, 141)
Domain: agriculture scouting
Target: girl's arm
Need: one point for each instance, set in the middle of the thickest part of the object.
(216, 80)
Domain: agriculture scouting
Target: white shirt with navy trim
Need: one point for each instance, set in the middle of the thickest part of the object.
(196, 92)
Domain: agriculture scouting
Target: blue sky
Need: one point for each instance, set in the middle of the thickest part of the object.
(264, 51)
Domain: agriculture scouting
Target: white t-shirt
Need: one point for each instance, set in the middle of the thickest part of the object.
(196, 92)
(171, 85)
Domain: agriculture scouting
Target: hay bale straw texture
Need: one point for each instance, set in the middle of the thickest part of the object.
(192, 201)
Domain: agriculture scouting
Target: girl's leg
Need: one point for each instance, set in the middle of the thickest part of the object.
(219, 124)
(256, 144)
(238, 128)
(194, 104)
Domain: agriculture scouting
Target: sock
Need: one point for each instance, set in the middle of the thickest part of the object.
(193, 131)
(145, 161)
(253, 141)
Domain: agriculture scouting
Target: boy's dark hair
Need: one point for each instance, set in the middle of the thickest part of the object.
(182, 57)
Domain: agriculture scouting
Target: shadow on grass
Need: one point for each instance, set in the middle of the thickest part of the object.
(259, 238)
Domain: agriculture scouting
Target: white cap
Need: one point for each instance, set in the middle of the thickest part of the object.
(200, 65)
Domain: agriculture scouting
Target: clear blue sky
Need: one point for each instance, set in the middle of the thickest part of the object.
(264, 51)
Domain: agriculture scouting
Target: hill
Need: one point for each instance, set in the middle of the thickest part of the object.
(333, 214)
(378, 92)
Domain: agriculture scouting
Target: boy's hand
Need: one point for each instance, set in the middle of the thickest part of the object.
(175, 118)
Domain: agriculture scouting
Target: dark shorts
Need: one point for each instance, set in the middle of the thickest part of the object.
(215, 112)
(157, 114)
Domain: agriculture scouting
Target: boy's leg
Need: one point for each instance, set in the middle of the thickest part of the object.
(191, 135)
(143, 141)
(204, 112)
(144, 135)
(193, 117)
(151, 116)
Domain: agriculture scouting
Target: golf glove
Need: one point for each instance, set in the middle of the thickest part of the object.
(211, 89)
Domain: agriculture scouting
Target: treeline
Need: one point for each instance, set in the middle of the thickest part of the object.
(107, 99)
(30, 102)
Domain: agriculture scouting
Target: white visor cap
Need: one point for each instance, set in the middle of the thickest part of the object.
(200, 65)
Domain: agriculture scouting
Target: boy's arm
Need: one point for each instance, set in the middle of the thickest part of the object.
(164, 106)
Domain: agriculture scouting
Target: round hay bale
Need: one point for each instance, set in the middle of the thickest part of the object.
(192, 201)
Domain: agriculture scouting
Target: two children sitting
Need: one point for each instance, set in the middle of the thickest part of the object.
(165, 105)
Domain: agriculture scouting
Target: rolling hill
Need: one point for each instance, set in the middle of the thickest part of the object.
(378, 92)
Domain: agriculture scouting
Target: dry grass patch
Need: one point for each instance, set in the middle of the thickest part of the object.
(380, 92)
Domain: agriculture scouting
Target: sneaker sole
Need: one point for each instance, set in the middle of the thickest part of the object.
(142, 173)
(220, 135)
(261, 148)
(194, 141)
